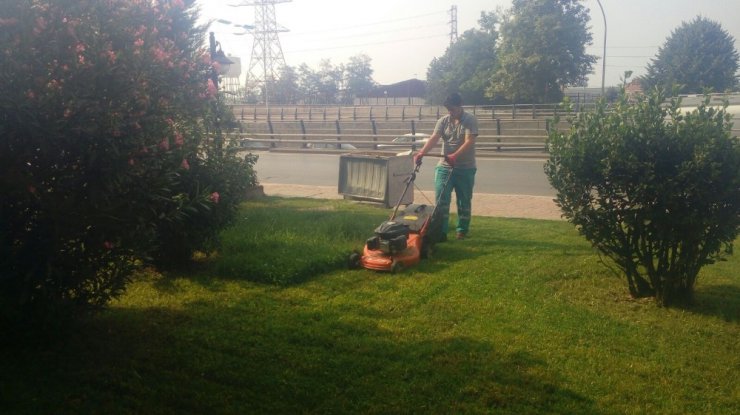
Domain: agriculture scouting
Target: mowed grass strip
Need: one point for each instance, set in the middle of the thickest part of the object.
(522, 317)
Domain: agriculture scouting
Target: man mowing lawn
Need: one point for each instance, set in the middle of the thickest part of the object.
(458, 130)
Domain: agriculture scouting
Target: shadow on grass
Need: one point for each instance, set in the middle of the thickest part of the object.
(721, 301)
(269, 357)
(288, 242)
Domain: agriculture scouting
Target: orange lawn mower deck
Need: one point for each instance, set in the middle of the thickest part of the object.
(403, 240)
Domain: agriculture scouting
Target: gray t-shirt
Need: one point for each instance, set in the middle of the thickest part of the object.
(453, 136)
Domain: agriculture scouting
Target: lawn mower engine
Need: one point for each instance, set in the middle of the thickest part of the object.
(390, 237)
(404, 239)
(400, 242)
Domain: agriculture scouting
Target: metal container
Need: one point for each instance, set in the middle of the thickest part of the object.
(376, 178)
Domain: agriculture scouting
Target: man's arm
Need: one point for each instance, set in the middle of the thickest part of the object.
(469, 142)
(433, 140)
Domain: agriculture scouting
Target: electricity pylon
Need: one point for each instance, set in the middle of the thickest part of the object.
(453, 24)
(267, 55)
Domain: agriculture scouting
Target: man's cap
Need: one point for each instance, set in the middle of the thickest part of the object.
(453, 100)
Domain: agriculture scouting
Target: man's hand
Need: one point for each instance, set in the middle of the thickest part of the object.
(417, 158)
(451, 159)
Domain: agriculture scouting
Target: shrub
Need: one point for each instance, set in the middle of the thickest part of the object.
(653, 187)
(103, 149)
(199, 229)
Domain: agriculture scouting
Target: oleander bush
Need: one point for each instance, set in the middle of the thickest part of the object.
(106, 152)
(656, 188)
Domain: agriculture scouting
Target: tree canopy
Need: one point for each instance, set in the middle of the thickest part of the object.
(542, 50)
(467, 66)
(358, 77)
(698, 55)
(329, 84)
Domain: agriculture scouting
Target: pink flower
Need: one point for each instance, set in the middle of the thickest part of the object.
(111, 56)
(131, 162)
(179, 140)
(160, 54)
(215, 197)
(53, 85)
(185, 165)
(178, 3)
(164, 145)
(8, 22)
(211, 88)
(80, 48)
(139, 42)
(108, 245)
(40, 25)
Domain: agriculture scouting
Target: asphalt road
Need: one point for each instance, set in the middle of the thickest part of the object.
(510, 176)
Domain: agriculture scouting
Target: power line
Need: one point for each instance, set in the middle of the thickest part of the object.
(380, 22)
(368, 44)
(632, 47)
(366, 34)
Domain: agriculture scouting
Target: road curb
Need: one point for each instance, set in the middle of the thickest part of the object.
(497, 154)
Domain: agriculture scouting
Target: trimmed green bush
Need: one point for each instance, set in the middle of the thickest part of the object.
(654, 187)
(104, 148)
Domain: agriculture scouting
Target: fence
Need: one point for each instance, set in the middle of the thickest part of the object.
(502, 127)
(494, 135)
(388, 112)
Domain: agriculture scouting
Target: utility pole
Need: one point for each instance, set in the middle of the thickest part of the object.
(267, 55)
(603, 59)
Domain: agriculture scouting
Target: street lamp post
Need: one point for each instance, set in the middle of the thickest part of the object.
(217, 55)
(603, 59)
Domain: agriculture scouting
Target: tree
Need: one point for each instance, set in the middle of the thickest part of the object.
(285, 90)
(467, 65)
(358, 77)
(698, 56)
(319, 87)
(654, 188)
(542, 50)
(330, 79)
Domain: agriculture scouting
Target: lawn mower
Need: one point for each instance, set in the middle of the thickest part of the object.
(404, 239)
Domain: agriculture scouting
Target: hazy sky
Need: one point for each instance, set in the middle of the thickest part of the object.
(402, 36)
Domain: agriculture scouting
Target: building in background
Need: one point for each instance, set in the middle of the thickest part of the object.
(231, 87)
(408, 92)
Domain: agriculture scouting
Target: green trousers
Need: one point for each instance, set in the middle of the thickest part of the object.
(462, 182)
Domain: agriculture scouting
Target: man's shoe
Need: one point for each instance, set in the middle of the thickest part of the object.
(460, 236)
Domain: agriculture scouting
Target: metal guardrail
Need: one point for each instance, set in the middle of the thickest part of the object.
(484, 143)
(359, 127)
(495, 135)
(390, 112)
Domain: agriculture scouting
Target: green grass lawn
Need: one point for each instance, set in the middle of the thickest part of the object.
(520, 318)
